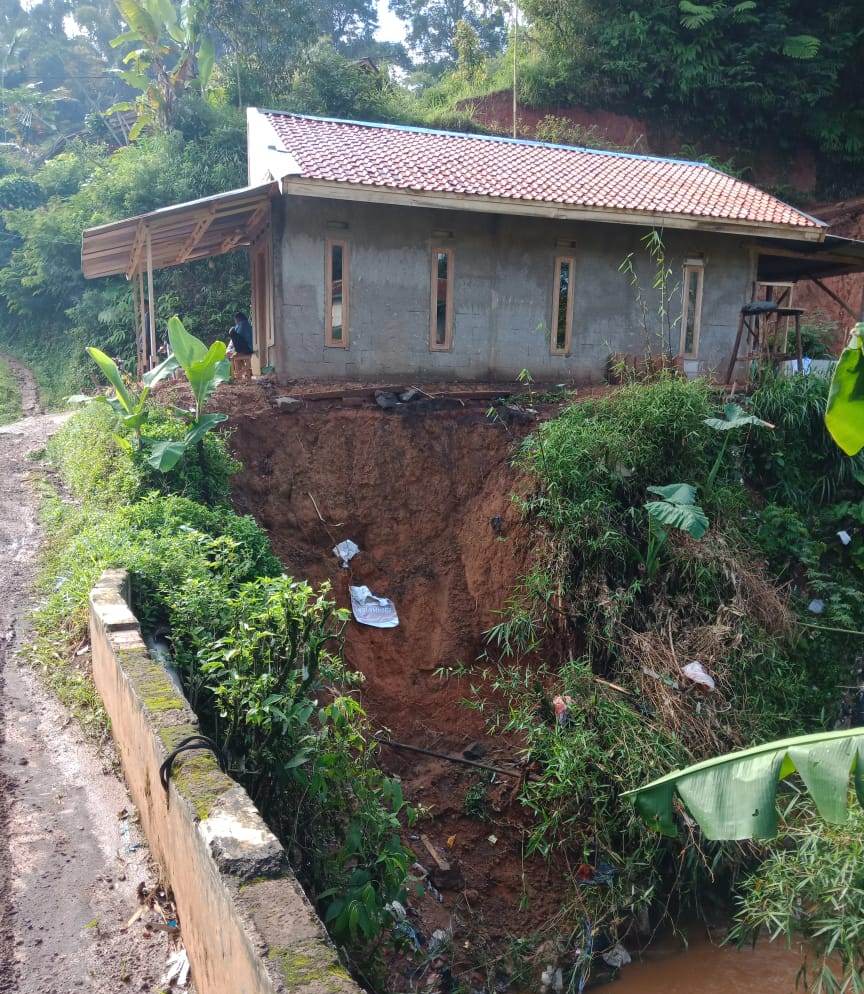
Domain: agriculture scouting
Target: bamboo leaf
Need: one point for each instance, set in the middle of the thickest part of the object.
(734, 796)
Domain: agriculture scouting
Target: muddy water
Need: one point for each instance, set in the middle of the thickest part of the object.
(706, 968)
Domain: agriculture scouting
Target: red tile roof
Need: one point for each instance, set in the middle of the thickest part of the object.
(421, 160)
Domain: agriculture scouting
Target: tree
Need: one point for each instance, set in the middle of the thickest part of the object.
(172, 55)
(432, 26)
(742, 69)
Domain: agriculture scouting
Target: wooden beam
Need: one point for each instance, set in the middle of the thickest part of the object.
(151, 301)
(836, 299)
(135, 253)
(197, 234)
(243, 233)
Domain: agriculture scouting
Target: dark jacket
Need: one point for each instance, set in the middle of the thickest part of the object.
(241, 338)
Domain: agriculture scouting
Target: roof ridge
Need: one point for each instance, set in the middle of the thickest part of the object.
(503, 139)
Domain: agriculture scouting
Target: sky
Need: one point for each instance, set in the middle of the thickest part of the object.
(390, 28)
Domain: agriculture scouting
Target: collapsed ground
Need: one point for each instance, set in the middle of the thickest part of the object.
(593, 615)
(429, 492)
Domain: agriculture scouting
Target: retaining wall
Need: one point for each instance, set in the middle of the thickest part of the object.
(247, 926)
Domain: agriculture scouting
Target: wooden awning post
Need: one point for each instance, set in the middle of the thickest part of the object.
(142, 325)
(151, 300)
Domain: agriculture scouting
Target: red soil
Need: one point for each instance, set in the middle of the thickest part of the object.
(418, 492)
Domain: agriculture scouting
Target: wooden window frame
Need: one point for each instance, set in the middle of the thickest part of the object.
(698, 267)
(556, 305)
(345, 341)
(447, 344)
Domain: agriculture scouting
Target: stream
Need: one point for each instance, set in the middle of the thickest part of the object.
(708, 968)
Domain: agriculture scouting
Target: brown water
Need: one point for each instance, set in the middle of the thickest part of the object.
(707, 968)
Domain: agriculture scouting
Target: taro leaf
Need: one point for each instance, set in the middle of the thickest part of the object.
(734, 796)
(677, 509)
(160, 372)
(164, 456)
(202, 426)
(734, 417)
(676, 493)
(844, 416)
(112, 375)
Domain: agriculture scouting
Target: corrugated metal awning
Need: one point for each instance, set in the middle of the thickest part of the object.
(177, 234)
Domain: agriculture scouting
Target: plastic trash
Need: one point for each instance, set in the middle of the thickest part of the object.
(552, 979)
(696, 672)
(561, 706)
(844, 537)
(345, 552)
(377, 612)
(816, 606)
(616, 957)
(176, 970)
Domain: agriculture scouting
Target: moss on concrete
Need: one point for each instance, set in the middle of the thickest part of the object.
(302, 967)
(152, 684)
(196, 775)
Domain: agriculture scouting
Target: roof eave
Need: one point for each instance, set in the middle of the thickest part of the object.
(367, 193)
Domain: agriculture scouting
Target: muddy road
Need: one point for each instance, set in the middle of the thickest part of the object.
(69, 866)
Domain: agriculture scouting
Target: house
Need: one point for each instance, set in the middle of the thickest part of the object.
(381, 251)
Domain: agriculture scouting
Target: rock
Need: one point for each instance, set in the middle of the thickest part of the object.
(386, 400)
(289, 404)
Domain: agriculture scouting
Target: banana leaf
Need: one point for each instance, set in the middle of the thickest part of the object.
(844, 416)
(734, 796)
(112, 375)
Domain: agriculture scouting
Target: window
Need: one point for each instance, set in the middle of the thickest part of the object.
(562, 306)
(691, 318)
(336, 295)
(441, 330)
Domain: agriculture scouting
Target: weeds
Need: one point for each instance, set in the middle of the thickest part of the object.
(733, 601)
(259, 652)
(10, 395)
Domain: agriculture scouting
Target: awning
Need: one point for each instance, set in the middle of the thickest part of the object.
(177, 234)
(789, 261)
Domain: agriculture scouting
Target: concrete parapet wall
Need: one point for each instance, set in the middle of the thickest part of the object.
(247, 925)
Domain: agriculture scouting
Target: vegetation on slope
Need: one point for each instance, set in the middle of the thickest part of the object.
(768, 602)
(258, 652)
(10, 395)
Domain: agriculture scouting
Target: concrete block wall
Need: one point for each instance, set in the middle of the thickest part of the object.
(503, 287)
(245, 921)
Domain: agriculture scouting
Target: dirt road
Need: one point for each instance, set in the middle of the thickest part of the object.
(69, 867)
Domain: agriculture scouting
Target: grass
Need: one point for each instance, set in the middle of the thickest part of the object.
(10, 396)
(591, 609)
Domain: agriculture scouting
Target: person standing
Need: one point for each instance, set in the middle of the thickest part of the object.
(241, 347)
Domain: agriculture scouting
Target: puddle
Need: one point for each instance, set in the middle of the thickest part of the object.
(705, 968)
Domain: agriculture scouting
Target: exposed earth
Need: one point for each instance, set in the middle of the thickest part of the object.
(70, 865)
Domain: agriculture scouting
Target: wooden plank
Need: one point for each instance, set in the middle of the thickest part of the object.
(135, 253)
(198, 232)
(835, 298)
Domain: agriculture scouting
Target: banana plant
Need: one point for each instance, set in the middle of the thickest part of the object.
(677, 508)
(735, 796)
(844, 416)
(205, 368)
(128, 405)
(733, 419)
(172, 54)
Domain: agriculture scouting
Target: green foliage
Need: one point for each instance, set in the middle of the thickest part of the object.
(10, 395)
(811, 887)
(844, 415)
(172, 54)
(797, 463)
(17, 191)
(785, 67)
(259, 652)
(734, 796)
(677, 508)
